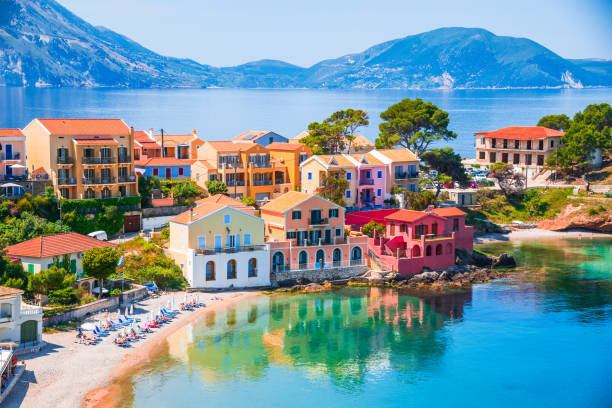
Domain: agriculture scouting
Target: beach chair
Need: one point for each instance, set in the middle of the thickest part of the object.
(97, 332)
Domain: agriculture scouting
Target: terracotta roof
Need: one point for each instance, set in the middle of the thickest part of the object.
(251, 134)
(361, 141)
(201, 211)
(55, 245)
(149, 144)
(40, 170)
(285, 146)
(11, 133)
(406, 215)
(229, 146)
(399, 154)
(206, 164)
(164, 161)
(522, 133)
(85, 127)
(175, 140)
(448, 211)
(340, 160)
(224, 200)
(95, 141)
(9, 292)
(287, 201)
(371, 160)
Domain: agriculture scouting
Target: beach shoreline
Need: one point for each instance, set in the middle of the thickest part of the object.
(68, 374)
(538, 234)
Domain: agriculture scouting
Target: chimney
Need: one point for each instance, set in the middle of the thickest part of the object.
(193, 132)
(191, 214)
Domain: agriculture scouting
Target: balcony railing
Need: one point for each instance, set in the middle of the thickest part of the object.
(98, 180)
(233, 183)
(98, 160)
(403, 176)
(262, 182)
(261, 165)
(435, 237)
(317, 265)
(124, 159)
(65, 160)
(318, 221)
(230, 166)
(230, 250)
(66, 181)
(366, 182)
(127, 179)
(12, 156)
(30, 310)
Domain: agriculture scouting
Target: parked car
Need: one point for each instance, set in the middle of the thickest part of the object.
(151, 287)
(101, 235)
(473, 184)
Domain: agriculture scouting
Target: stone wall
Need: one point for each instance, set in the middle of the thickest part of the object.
(161, 211)
(319, 275)
(109, 303)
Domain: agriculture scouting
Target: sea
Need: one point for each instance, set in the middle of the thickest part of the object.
(540, 337)
(220, 114)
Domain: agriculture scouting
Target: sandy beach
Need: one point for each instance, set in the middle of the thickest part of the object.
(540, 234)
(68, 374)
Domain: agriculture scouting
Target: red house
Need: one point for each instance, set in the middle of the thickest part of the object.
(417, 239)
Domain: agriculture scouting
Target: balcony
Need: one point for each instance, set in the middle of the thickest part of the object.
(230, 250)
(318, 221)
(261, 165)
(99, 160)
(12, 156)
(235, 183)
(127, 179)
(98, 180)
(436, 237)
(64, 160)
(404, 176)
(262, 182)
(30, 310)
(366, 182)
(124, 159)
(230, 166)
(66, 181)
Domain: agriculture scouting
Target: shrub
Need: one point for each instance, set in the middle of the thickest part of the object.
(66, 296)
(372, 226)
(115, 292)
(164, 278)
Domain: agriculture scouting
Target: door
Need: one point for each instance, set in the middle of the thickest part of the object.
(328, 236)
(315, 216)
(217, 241)
(320, 259)
(278, 262)
(132, 223)
(303, 259)
(337, 257)
(8, 170)
(168, 173)
(8, 151)
(29, 331)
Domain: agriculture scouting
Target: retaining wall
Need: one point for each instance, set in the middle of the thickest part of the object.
(320, 275)
(160, 211)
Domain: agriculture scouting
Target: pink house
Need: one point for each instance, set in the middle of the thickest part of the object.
(306, 232)
(371, 179)
(417, 239)
(12, 154)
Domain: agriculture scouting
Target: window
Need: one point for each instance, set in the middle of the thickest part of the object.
(516, 144)
(106, 193)
(348, 193)
(309, 176)
(528, 159)
(291, 234)
(31, 268)
(212, 177)
(552, 143)
(296, 215)
(252, 268)
(227, 219)
(481, 155)
(156, 171)
(181, 171)
(202, 242)
(333, 213)
(439, 249)
(338, 231)
(529, 145)
(230, 240)
(378, 192)
(247, 239)
(412, 187)
(368, 174)
(482, 140)
(183, 242)
(231, 269)
(456, 224)
(428, 251)
(349, 175)
(379, 174)
(210, 271)
(89, 193)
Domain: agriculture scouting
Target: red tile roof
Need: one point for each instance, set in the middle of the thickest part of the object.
(228, 146)
(95, 141)
(522, 133)
(55, 245)
(251, 134)
(285, 146)
(406, 215)
(85, 127)
(11, 133)
(448, 211)
(201, 211)
(164, 161)
(227, 201)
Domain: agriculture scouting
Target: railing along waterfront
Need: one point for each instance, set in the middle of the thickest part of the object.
(318, 265)
(230, 250)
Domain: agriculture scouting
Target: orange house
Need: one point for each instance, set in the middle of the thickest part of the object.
(291, 155)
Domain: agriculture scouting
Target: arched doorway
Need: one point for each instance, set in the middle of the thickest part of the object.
(439, 249)
(416, 251)
(252, 268)
(106, 193)
(303, 260)
(29, 331)
(231, 269)
(210, 271)
(320, 258)
(428, 250)
(337, 257)
(278, 261)
(89, 193)
(356, 255)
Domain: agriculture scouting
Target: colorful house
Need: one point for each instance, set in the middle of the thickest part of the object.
(292, 155)
(306, 232)
(417, 239)
(402, 168)
(337, 165)
(219, 246)
(261, 137)
(167, 168)
(145, 145)
(179, 146)
(12, 155)
(229, 201)
(19, 322)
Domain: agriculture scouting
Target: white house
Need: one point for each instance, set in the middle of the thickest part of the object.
(19, 322)
(38, 254)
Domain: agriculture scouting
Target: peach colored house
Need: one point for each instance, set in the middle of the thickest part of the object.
(12, 155)
(402, 168)
(306, 232)
(145, 146)
(180, 146)
(417, 239)
(338, 165)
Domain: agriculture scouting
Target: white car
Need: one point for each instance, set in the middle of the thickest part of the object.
(101, 235)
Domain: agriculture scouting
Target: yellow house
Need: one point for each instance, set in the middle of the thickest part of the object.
(84, 158)
(292, 155)
(313, 169)
(220, 246)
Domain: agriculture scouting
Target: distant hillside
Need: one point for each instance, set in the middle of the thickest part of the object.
(44, 44)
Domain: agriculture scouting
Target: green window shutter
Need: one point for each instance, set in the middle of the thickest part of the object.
(73, 267)
(31, 268)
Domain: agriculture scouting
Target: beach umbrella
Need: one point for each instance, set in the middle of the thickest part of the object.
(197, 298)
(88, 326)
(132, 309)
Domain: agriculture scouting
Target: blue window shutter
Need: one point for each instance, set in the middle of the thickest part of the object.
(348, 175)
(309, 176)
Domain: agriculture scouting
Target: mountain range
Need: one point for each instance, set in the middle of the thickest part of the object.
(43, 44)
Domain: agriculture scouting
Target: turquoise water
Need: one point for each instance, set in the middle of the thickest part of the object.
(542, 337)
(220, 114)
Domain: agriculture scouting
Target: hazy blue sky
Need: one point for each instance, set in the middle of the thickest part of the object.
(231, 32)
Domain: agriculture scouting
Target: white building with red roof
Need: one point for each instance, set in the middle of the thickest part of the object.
(39, 253)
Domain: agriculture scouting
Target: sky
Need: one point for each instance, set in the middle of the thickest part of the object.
(226, 33)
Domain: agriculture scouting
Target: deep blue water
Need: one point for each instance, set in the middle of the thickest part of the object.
(220, 114)
(541, 337)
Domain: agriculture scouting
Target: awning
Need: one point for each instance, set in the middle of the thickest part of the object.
(17, 166)
(9, 185)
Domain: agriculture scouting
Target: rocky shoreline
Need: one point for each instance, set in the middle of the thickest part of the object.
(470, 268)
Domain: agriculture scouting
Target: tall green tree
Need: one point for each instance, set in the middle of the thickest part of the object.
(446, 161)
(100, 263)
(26, 227)
(558, 122)
(333, 187)
(510, 182)
(350, 120)
(12, 274)
(216, 187)
(337, 132)
(146, 185)
(413, 124)
(420, 201)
